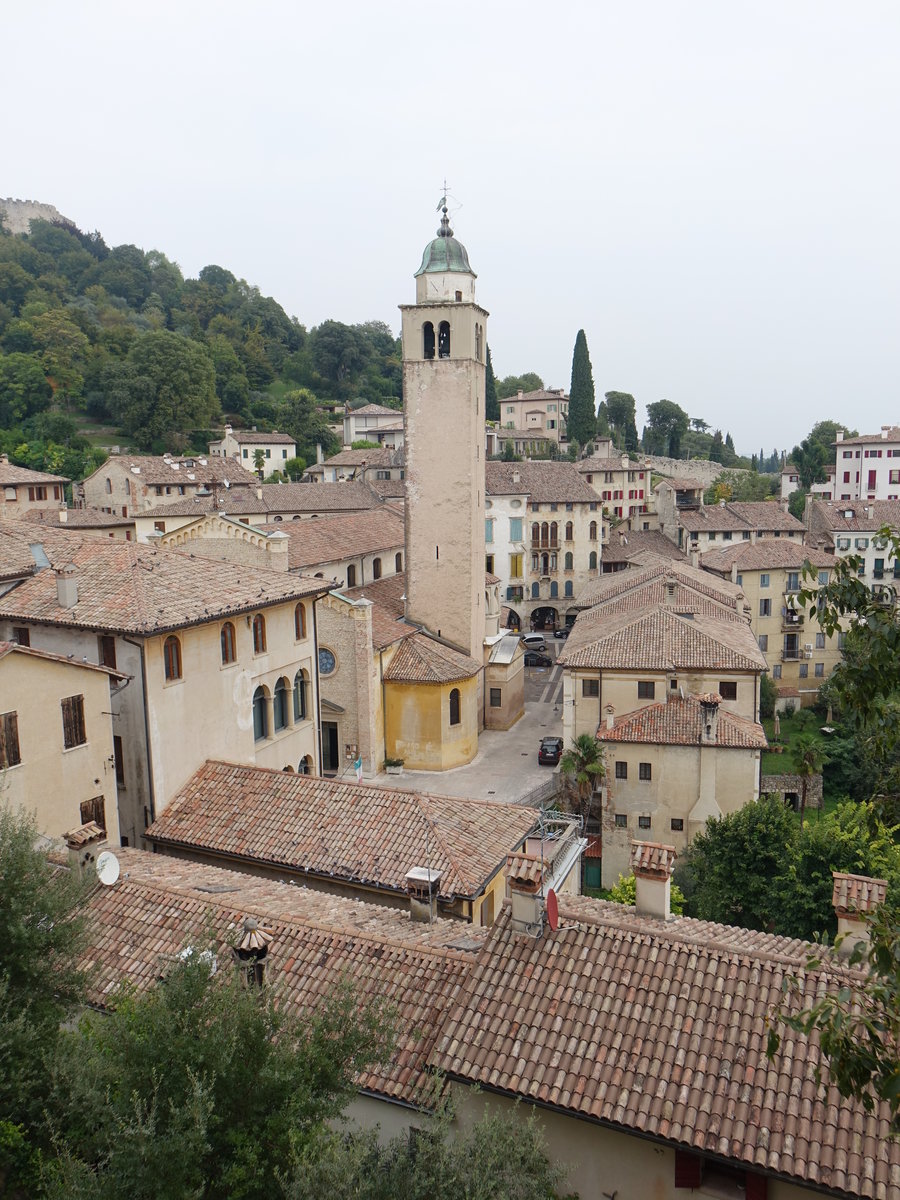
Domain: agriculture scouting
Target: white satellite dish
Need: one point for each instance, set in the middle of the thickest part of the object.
(107, 868)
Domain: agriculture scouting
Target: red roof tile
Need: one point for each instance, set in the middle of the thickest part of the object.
(855, 894)
(421, 659)
(680, 722)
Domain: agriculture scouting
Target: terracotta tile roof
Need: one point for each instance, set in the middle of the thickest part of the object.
(421, 659)
(680, 722)
(659, 1029)
(354, 832)
(200, 469)
(318, 497)
(855, 894)
(127, 587)
(386, 596)
(612, 462)
(374, 410)
(78, 518)
(385, 457)
(542, 482)
(649, 579)
(11, 475)
(683, 483)
(16, 559)
(738, 516)
(160, 905)
(658, 639)
(789, 693)
(349, 535)
(68, 659)
(236, 501)
(389, 488)
(251, 437)
(652, 859)
(764, 554)
(890, 434)
(537, 394)
(525, 869)
(83, 835)
(868, 515)
(624, 546)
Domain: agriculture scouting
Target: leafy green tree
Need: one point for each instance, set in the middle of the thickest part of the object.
(667, 423)
(582, 421)
(308, 425)
(583, 769)
(24, 389)
(294, 467)
(510, 385)
(797, 503)
(63, 350)
(768, 694)
(761, 833)
(166, 387)
(810, 757)
(203, 1086)
(499, 1156)
(509, 452)
(491, 402)
(717, 447)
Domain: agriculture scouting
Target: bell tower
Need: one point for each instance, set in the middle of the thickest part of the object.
(444, 350)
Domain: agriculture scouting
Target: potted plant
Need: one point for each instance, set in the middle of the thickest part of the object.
(393, 766)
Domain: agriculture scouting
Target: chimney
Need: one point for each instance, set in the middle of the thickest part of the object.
(4, 460)
(854, 897)
(277, 544)
(67, 586)
(524, 880)
(84, 844)
(783, 503)
(610, 716)
(839, 436)
(63, 515)
(734, 571)
(709, 710)
(695, 558)
(259, 493)
(520, 394)
(251, 952)
(320, 453)
(885, 430)
(422, 886)
(652, 864)
(515, 475)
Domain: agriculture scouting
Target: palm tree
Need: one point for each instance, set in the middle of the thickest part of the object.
(810, 758)
(582, 767)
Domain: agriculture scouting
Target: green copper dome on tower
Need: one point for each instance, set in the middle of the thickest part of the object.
(445, 253)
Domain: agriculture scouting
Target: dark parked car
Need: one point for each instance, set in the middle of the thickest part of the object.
(550, 752)
(533, 659)
(563, 633)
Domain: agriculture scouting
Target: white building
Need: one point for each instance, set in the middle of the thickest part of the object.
(867, 467)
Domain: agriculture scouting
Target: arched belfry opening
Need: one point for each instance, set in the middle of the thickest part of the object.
(444, 339)
(428, 340)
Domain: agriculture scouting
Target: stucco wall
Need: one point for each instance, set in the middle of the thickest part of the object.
(418, 729)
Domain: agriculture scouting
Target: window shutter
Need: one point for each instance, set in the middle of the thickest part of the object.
(9, 740)
(688, 1169)
(757, 1187)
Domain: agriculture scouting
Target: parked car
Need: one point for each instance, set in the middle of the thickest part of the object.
(563, 633)
(551, 751)
(534, 641)
(533, 659)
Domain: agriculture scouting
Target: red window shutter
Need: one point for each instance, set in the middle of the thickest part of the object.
(757, 1187)
(688, 1169)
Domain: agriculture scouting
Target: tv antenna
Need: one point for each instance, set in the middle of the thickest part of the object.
(107, 868)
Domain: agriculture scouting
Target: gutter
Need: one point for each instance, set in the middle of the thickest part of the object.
(152, 789)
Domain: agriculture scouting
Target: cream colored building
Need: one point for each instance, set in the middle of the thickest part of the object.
(373, 423)
(221, 658)
(770, 572)
(127, 484)
(59, 757)
(541, 414)
(23, 491)
(693, 525)
(670, 767)
(624, 487)
(244, 445)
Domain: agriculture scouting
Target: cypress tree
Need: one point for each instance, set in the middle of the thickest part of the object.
(582, 408)
(491, 403)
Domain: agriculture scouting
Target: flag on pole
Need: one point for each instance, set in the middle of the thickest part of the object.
(358, 766)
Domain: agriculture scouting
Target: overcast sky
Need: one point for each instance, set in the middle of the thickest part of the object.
(709, 189)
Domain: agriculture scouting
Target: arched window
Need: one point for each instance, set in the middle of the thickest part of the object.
(280, 705)
(569, 531)
(569, 591)
(260, 715)
(398, 562)
(228, 645)
(592, 560)
(259, 634)
(428, 340)
(304, 767)
(444, 339)
(108, 486)
(172, 657)
(535, 590)
(301, 703)
(376, 568)
(554, 589)
(535, 534)
(299, 623)
(569, 560)
(478, 341)
(454, 706)
(592, 531)
(545, 534)
(351, 576)
(554, 533)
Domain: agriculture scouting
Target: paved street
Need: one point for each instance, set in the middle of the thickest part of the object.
(506, 766)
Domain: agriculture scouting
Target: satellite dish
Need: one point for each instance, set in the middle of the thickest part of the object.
(107, 868)
(552, 910)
